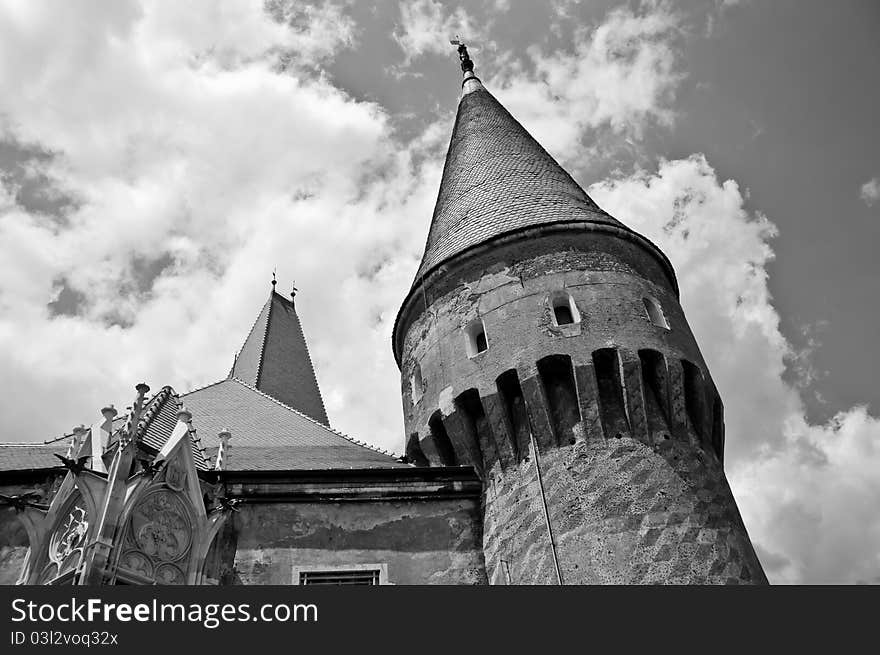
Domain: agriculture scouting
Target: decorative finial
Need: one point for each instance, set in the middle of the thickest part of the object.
(79, 435)
(274, 281)
(293, 290)
(109, 412)
(467, 64)
(183, 414)
(223, 452)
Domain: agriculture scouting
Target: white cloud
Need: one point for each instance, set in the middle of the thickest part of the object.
(812, 507)
(426, 27)
(182, 139)
(870, 191)
(620, 76)
(720, 254)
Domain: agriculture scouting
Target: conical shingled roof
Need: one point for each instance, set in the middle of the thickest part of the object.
(497, 179)
(275, 359)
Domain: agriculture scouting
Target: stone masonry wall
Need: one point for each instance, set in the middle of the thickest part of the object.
(621, 513)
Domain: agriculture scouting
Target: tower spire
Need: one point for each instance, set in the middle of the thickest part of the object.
(275, 358)
(615, 413)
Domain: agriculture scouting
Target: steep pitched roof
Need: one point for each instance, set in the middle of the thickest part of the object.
(269, 435)
(275, 359)
(497, 179)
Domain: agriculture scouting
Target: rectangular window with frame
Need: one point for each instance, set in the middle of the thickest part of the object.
(354, 574)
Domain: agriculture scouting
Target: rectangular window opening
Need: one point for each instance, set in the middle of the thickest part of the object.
(355, 574)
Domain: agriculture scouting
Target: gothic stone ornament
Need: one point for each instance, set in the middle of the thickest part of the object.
(65, 544)
(175, 476)
(137, 562)
(169, 574)
(69, 535)
(160, 527)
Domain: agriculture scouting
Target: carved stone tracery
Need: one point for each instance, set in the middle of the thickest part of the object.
(158, 538)
(65, 544)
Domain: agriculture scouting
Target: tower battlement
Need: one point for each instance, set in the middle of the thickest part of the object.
(572, 353)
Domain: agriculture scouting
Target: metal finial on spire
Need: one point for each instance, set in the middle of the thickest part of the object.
(467, 64)
(293, 290)
(274, 281)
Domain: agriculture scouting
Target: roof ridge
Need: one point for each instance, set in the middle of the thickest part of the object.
(194, 439)
(152, 409)
(272, 295)
(362, 444)
(210, 384)
(308, 358)
(250, 332)
(26, 444)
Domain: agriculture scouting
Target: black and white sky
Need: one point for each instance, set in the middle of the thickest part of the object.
(159, 159)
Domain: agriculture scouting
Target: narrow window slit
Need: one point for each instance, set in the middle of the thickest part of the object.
(612, 406)
(565, 310)
(417, 384)
(510, 392)
(441, 440)
(694, 398)
(655, 382)
(557, 377)
(476, 339)
(471, 406)
(481, 343)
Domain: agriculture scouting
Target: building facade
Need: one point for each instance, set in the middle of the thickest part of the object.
(562, 426)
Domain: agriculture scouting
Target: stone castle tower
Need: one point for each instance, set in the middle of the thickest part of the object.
(543, 343)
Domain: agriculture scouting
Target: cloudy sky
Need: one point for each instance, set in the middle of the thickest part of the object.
(159, 159)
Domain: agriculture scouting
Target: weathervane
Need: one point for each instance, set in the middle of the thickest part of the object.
(467, 64)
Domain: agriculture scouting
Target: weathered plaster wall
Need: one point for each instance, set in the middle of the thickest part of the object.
(422, 542)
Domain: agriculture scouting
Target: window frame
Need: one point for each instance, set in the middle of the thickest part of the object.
(417, 384)
(649, 302)
(381, 568)
(472, 331)
(564, 299)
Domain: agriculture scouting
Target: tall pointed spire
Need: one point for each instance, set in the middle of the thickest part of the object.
(275, 358)
(497, 179)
